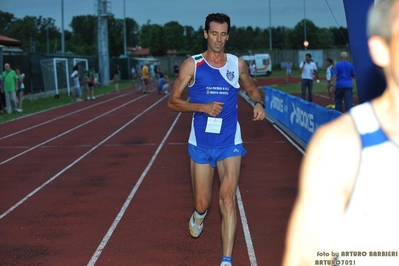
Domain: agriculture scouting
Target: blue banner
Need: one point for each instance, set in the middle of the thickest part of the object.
(370, 80)
(301, 117)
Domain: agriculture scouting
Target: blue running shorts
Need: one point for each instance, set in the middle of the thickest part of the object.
(211, 156)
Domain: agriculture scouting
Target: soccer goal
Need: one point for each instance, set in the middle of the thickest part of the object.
(55, 74)
(83, 63)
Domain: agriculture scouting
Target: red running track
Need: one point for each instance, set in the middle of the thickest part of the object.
(106, 182)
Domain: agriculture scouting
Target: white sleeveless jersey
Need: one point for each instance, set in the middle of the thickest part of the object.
(371, 221)
(215, 85)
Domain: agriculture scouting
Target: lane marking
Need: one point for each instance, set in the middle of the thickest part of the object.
(322, 96)
(118, 218)
(76, 161)
(70, 130)
(290, 140)
(59, 117)
(245, 227)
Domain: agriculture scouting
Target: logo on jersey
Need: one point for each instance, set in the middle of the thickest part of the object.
(230, 75)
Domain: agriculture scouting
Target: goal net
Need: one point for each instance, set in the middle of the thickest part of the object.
(55, 74)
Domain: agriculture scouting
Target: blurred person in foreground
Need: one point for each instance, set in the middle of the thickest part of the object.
(213, 79)
(347, 203)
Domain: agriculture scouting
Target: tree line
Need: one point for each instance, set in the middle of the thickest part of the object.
(40, 34)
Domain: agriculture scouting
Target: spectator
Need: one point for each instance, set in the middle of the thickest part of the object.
(10, 84)
(21, 87)
(163, 84)
(117, 77)
(76, 84)
(329, 70)
(92, 81)
(146, 76)
(2, 97)
(308, 69)
(85, 82)
(341, 83)
(288, 71)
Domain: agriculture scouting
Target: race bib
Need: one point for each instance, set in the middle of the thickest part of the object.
(214, 125)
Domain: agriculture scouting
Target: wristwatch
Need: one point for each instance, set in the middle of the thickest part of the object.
(261, 103)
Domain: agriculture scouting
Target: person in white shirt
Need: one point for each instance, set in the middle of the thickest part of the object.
(308, 69)
(20, 88)
(329, 70)
(76, 84)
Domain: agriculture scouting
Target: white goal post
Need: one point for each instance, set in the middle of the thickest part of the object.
(55, 74)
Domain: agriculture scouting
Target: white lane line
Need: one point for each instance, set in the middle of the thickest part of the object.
(322, 96)
(245, 227)
(118, 218)
(248, 238)
(59, 117)
(290, 140)
(74, 162)
(69, 131)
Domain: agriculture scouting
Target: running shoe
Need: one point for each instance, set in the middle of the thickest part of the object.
(196, 224)
(225, 264)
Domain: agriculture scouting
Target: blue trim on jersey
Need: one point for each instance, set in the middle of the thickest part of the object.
(213, 84)
(374, 138)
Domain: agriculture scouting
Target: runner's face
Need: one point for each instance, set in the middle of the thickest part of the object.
(217, 36)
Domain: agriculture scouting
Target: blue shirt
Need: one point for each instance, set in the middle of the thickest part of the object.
(344, 72)
(161, 82)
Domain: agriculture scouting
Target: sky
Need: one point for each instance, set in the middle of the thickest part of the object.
(243, 13)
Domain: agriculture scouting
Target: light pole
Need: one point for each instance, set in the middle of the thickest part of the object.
(124, 28)
(62, 28)
(304, 25)
(48, 44)
(270, 26)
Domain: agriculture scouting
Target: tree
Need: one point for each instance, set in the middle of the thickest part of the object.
(115, 36)
(132, 32)
(278, 37)
(32, 32)
(153, 37)
(84, 35)
(340, 36)
(36, 32)
(295, 38)
(6, 21)
(174, 36)
(199, 44)
(189, 36)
